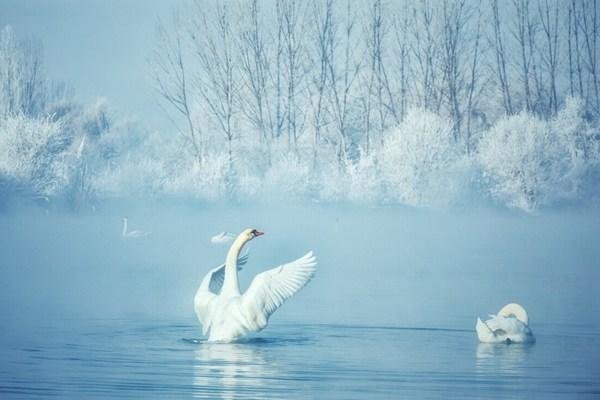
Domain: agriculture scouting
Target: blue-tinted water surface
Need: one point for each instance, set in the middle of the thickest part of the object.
(147, 359)
(390, 313)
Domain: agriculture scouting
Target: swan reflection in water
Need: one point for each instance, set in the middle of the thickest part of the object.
(500, 357)
(231, 371)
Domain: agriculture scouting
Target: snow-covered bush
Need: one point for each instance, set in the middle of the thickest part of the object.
(289, 176)
(366, 183)
(133, 175)
(420, 161)
(334, 182)
(206, 181)
(42, 130)
(23, 90)
(56, 148)
(530, 162)
(146, 164)
(33, 153)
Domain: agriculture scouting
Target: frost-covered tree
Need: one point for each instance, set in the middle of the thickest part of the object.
(32, 143)
(173, 83)
(420, 160)
(333, 82)
(22, 87)
(380, 110)
(49, 144)
(382, 102)
(30, 151)
(532, 162)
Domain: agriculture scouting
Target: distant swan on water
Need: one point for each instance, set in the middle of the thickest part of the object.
(227, 315)
(510, 325)
(222, 238)
(127, 234)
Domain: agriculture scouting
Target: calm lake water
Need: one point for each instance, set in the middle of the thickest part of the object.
(390, 313)
(147, 359)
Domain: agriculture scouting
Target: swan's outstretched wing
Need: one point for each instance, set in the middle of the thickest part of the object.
(270, 289)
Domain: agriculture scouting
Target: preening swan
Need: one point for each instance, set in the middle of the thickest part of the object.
(227, 315)
(127, 234)
(222, 238)
(510, 325)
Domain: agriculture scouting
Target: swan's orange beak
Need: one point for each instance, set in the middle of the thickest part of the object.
(258, 233)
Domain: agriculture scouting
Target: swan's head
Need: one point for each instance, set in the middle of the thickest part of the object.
(250, 233)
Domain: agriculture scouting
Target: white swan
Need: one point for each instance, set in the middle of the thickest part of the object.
(222, 238)
(132, 234)
(227, 315)
(510, 325)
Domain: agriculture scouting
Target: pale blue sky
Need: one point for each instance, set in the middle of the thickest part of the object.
(99, 47)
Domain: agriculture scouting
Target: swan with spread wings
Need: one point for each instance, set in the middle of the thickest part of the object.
(227, 315)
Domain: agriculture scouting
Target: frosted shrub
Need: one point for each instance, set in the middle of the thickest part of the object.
(512, 155)
(420, 160)
(334, 181)
(127, 160)
(250, 186)
(205, 181)
(582, 140)
(133, 175)
(23, 90)
(288, 176)
(150, 165)
(530, 162)
(366, 185)
(33, 153)
(95, 119)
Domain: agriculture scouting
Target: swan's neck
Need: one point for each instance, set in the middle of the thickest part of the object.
(124, 226)
(231, 285)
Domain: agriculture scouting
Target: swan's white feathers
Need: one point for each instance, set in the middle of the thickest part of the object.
(515, 310)
(209, 289)
(270, 289)
(218, 274)
(510, 325)
(225, 314)
(222, 238)
(133, 234)
(137, 233)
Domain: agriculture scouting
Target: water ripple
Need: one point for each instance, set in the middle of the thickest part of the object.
(122, 359)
